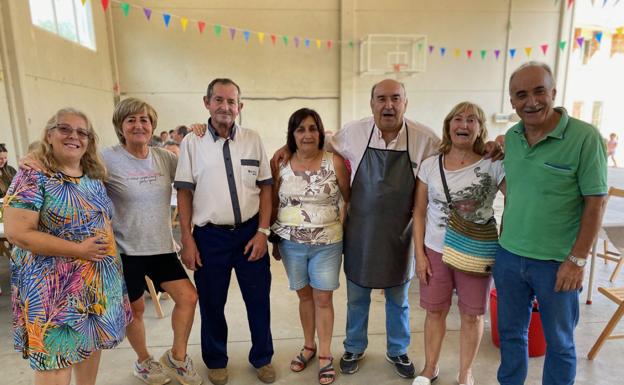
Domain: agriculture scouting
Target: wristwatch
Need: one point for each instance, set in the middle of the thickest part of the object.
(264, 231)
(580, 262)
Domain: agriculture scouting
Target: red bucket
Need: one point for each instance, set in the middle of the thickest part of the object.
(537, 342)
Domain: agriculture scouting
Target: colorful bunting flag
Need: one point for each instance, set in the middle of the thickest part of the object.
(598, 37)
(105, 4)
(246, 36)
(273, 38)
(147, 12)
(83, 2)
(528, 51)
(442, 51)
(570, 2)
(580, 41)
(619, 31)
(420, 46)
(184, 23)
(329, 44)
(512, 52)
(457, 52)
(469, 53)
(125, 8)
(232, 33)
(296, 39)
(307, 43)
(483, 53)
(201, 25)
(285, 40)
(350, 43)
(544, 48)
(261, 37)
(562, 44)
(497, 53)
(318, 44)
(430, 49)
(217, 29)
(166, 19)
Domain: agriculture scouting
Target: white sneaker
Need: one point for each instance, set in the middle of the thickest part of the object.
(183, 371)
(150, 372)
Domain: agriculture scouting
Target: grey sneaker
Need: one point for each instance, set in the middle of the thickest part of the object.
(403, 366)
(150, 372)
(183, 371)
(349, 362)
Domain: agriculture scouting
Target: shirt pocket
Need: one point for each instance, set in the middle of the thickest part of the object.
(557, 178)
(249, 172)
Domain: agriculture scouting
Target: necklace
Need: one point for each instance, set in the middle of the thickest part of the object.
(310, 162)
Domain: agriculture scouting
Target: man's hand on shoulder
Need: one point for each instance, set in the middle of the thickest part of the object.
(281, 156)
(199, 129)
(494, 150)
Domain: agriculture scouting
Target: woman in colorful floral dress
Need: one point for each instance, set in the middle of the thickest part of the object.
(308, 191)
(69, 299)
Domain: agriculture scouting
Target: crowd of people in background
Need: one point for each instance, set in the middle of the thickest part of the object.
(88, 225)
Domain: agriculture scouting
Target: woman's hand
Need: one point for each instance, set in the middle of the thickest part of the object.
(93, 249)
(30, 162)
(199, 129)
(423, 269)
(276, 253)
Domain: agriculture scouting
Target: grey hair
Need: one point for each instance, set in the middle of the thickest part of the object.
(376, 84)
(533, 63)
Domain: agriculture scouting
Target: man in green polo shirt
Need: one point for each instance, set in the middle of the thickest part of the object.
(556, 173)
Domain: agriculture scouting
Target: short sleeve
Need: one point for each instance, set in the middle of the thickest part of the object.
(338, 142)
(264, 172)
(172, 162)
(26, 191)
(592, 169)
(498, 171)
(184, 170)
(424, 171)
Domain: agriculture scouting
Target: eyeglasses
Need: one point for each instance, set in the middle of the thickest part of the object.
(66, 130)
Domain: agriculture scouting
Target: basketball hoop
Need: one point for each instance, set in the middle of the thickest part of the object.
(398, 66)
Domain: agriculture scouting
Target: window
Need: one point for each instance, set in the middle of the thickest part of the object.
(577, 109)
(69, 19)
(597, 114)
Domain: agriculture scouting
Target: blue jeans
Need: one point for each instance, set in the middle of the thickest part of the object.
(518, 280)
(397, 319)
(314, 265)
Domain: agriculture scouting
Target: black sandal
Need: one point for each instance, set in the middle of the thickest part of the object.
(301, 362)
(327, 372)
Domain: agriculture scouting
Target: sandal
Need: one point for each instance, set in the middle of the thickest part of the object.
(327, 372)
(301, 362)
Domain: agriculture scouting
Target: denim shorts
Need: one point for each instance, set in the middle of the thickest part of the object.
(316, 265)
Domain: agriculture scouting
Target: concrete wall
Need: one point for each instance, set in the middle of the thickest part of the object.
(50, 72)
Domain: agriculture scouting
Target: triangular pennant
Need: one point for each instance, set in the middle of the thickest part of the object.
(83, 2)
(318, 44)
(457, 52)
(483, 53)
(232, 33)
(497, 53)
(580, 41)
(570, 2)
(350, 43)
(201, 25)
(166, 19)
(307, 43)
(598, 37)
(442, 51)
(246, 36)
(430, 49)
(420, 46)
(544, 48)
(512, 52)
(147, 12)
(528, 51)
(105, 4)
(217, 30)
(469, 53)
(184, 23)
(562, 44)
(261, 37)
(273, 39)
(285, 39)
(619, 31)
(125, 8)
(296, 39)
(329, 44)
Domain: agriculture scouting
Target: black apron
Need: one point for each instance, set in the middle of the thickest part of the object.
(378, 227)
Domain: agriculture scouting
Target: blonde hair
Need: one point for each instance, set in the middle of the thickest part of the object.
(479, 144)
(129, 107)
(91, 162)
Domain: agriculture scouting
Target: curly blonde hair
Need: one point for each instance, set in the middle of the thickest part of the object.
(91, 162)
(479, 144)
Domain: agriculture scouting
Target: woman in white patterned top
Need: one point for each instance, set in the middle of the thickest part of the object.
(308, 192)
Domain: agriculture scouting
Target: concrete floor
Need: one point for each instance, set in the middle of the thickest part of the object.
(116, 365)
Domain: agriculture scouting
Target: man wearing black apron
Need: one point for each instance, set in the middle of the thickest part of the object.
(385, 152)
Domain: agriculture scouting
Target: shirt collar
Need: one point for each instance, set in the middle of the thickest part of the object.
(560, 128)
(401, 131)
(216, 136)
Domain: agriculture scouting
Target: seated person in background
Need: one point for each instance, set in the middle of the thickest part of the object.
(6, 172)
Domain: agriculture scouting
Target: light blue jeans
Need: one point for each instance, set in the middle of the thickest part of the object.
(518, 280)
(316, 265)
(397, 319)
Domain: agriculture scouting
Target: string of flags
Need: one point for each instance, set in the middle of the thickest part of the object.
(308, 42)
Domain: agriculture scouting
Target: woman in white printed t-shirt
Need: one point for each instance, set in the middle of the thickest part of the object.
(473, 182)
